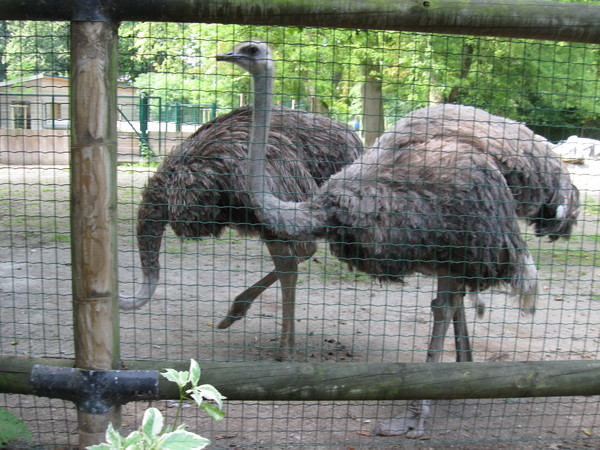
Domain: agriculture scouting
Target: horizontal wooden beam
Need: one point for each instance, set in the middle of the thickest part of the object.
(532, 19)
(354, 381)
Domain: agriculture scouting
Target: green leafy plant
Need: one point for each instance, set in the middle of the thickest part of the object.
(153, 435)
(12, 428)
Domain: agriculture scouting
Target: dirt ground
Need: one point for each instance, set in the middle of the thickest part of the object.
(341, 317)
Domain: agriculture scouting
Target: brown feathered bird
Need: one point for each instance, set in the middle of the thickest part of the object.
(437, 208)
(200, 189)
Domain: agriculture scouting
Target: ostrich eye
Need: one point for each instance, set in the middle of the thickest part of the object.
(252, 50)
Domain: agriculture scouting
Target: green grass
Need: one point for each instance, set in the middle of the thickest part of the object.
(329, 268)
(568, 256)
(231, 236)
(591, 206)
(141, 165)
(178, 249)
(62, 238)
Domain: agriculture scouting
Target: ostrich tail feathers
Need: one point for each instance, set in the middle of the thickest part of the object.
(525, 283)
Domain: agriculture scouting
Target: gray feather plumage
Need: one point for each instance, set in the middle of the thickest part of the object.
(539, 181)
(426, 209)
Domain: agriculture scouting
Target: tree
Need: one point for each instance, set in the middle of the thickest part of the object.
(37, 47)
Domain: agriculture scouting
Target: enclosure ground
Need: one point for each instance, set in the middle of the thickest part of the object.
(341, 317)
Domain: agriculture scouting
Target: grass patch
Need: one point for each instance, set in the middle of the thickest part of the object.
(567, 257)
(591, 206)
(178, 249)
(62, 238)
(329, 268)
(140, 165)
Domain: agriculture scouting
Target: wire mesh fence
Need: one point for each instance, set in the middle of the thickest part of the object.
(363, 80)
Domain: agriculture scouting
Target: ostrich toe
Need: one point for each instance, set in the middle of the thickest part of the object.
(412, 425)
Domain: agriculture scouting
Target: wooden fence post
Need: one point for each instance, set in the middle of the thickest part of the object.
(94, 208)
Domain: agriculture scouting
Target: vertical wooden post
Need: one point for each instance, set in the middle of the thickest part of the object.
(94, 208)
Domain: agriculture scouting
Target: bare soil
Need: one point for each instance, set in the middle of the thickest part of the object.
(341, 317)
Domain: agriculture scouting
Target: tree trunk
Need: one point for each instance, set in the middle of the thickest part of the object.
(372, 92)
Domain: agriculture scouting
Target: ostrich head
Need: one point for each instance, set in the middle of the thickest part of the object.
(252, 56)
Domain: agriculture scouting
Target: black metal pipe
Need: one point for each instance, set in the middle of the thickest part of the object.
(94, 391)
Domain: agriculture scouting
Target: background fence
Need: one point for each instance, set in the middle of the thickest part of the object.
(364, 78)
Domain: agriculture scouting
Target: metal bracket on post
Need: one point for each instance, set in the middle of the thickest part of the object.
(90, 10)
(94, 391)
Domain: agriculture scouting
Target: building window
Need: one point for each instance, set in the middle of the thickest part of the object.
(20, 114)
(54, 111)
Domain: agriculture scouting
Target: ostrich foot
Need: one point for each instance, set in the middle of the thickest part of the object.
(412, 425)
(284, 355)
(286, 350)
(227, 322)
(243, 302)
(399, 426)
(237, 311)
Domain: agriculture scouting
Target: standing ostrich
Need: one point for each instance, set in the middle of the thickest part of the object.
(540, 183)
(440, 210)
(200, 189)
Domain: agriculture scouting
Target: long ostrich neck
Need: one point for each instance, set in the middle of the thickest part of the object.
(259, 135)
(289, 219)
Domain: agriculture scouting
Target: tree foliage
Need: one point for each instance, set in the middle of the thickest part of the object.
(325, 70)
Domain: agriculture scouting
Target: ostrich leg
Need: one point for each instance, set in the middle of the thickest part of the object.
(241, 303)
(447, 307)
(286, 258)
(286, 266)
(464, 353)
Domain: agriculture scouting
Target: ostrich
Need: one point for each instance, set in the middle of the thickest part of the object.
(199, 189)
(440, 209)
(540, 183)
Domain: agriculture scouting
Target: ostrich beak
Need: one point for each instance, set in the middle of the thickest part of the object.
(230, 56)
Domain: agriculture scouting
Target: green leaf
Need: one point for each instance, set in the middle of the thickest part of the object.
(213, 411)
(209, 392)
(180, 378)
(182, 440)
(134, 440)
(194, 373)
(152, 423)
(196, 396)
(100, 447)
(113, 437)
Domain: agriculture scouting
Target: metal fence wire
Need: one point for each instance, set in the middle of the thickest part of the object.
(447, 200)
